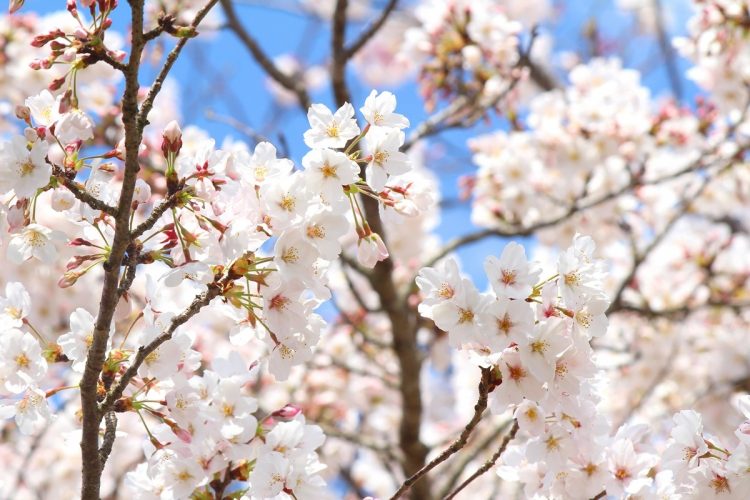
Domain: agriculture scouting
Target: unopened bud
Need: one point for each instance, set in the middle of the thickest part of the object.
(172, 139)
(56, 84)
(186, 32)
(23, 113)
(69, 279)
(287, 412)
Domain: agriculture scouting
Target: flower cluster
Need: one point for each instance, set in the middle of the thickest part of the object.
(464, 48)
(201, 233)
(717, 44)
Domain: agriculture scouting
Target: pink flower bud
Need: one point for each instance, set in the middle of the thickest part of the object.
(69, 279)
(287, 412)
(117, 55)
(23, 113)
(172, 136)
(371, 250)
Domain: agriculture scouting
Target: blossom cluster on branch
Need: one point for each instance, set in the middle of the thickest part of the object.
(187, 318)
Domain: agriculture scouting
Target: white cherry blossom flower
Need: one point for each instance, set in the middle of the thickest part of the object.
(518, 383)
(330, 130)
(34, 241)
(327, 171)
(540, 350)
(511, 276)
(21, 361)
(31, 411)
(23, 170)
(76, 343)
(379, 111)
(45, 108)
(371, 250)
(386, 159)
(15, 306)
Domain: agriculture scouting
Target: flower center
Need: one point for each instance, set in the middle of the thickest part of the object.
(381, 157)
(290, 255)
(465, 315)
(328, 171)
(35, 238)
(22, 361)
(287, 203)
(539, 346)
(316, 231)
(508, 277)
(26, 168)
(279, 302)
(333, 130)
(446, 291)
(504, 324)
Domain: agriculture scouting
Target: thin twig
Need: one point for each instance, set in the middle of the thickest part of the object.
(371, 30)
(295, 85)
(148, 103)
(467, 457)
(489, 463)
(485, 387)
(110, 431)
(82, 195)
(214, 289)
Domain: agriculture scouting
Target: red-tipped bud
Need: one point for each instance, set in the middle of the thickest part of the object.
(172, 139)
(80, 242)
(56, 83)
(287, 412)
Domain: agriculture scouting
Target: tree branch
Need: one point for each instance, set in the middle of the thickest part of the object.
(489, 463)
(290, 83)
(110, 431)
(214, 289)
(371, 30)
(82, 195)
(155, 215)
(485, 387)
(90, 457)
(148, 103)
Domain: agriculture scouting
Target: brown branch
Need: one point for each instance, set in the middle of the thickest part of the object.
(338, 52)
(91, 416)
(295, 85)
(82, 195)
(402, 318)
(148, 103)
(467, 457)
(133, 121)
(489, 463)
(371, 30)
(155, 215)
(214, 289)
(110, 432)
(485, 387)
